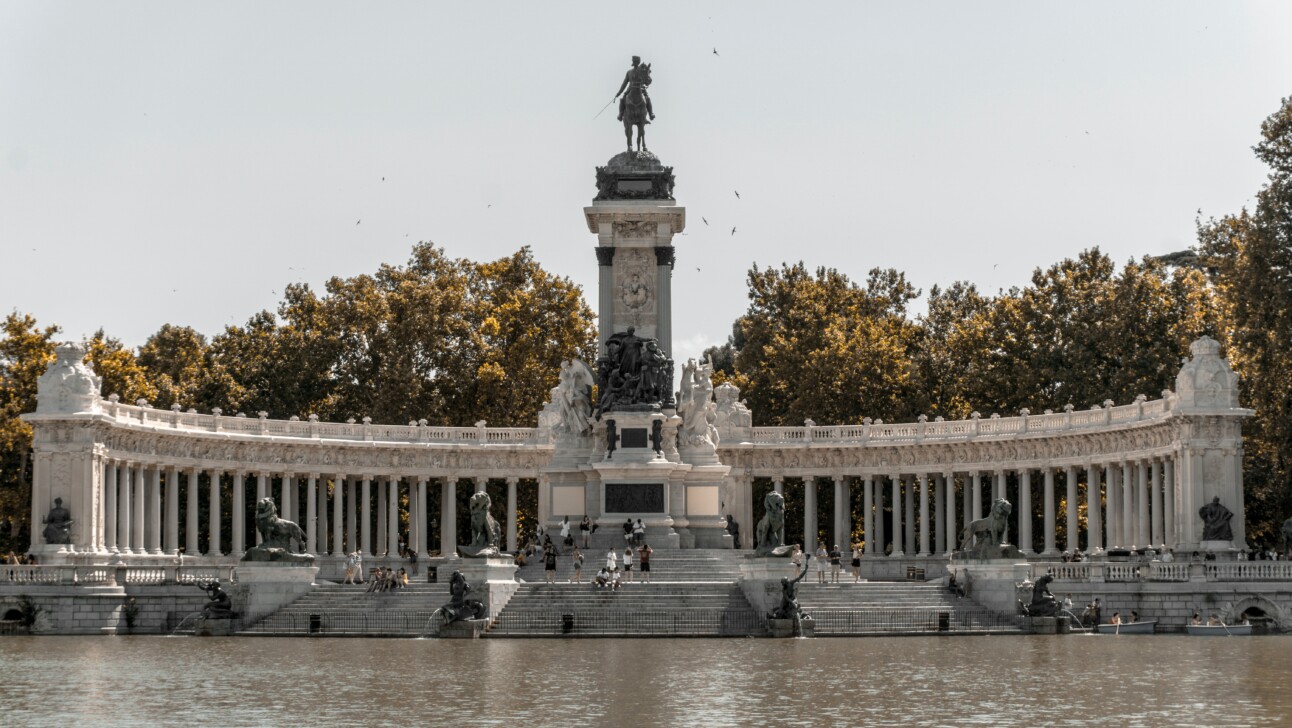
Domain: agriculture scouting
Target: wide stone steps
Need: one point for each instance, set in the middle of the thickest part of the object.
(713, 609)
(350, 610)
(887, 608)
(672, 565)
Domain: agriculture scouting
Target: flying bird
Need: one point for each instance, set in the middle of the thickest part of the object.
(356, 222)
(733, 231)
(706, 222)
(715, 51)
(737, 194)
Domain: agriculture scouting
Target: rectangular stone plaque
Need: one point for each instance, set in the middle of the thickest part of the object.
(634, 497)
(635, 185)
(632, 437)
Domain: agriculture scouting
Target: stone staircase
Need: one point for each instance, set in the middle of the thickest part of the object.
(667, 565)
(677, 609)
(336, 610)
(892, 608)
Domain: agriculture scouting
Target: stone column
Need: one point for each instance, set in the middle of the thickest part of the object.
(110, 506)
(867, 520)
(365, 515)
(380, 539)
(664, 299)
(140, 515)
(449, 518)
(124, 484)
(977, 495)
(1094, 535)
(312, 509)
(322, 515)
(421, 517)
(392, 517)
(1128, 505)
(1143, 518)
(912, 541)
(1025, 511)
(1050, 548)
(809, 514)
(190, 518)
(1155, 489)
(352, 517)
(172, 510)
(877, 485)
(606, 300)
(842, 513)
(778, 484)
(897, 515)
(338, 515)
(215, 520)
(511, 514)
(1168, 503)
(239, 514)
(262, 492)
(154, 510)
(481, 483)
(1113, 523)
(949, 482)
(921, 481)
(939, 515)
(1074, 532)
(287, 497)
(966, 506)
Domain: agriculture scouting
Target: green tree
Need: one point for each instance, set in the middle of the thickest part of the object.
(181, 367)
(119, 368)
(1249, 258)
(26, 350)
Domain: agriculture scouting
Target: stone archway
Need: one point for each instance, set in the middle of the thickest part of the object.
(1258, 609)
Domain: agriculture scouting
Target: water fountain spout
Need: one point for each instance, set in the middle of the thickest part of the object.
(184, 621)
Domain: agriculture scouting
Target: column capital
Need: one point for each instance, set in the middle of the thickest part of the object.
(315, 476)
(839, 477)
(513, 480)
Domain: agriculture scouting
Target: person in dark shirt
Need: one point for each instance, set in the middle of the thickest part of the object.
(834, 564)
(549, 566)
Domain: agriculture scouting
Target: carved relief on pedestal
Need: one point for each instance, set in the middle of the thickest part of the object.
(635, 288)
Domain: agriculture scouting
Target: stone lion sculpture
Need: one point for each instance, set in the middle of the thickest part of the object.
(276, 536)
(770, 531)
(485, 532)
(988, 531)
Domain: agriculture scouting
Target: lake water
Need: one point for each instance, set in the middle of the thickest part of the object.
(998, 680)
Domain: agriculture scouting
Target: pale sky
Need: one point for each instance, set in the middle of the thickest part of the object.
(178, 162)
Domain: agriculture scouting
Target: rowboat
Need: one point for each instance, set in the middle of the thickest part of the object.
(1213, 630)
(1129, 628)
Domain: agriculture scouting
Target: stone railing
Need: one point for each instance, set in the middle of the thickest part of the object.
(191, 421)
(1158, 571)
(1098, 417)
(112, 575)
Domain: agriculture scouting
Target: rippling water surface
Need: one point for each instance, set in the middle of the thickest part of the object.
(1001, 680)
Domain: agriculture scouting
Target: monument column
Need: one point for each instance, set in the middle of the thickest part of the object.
(421, 516)
(1047, 483)
(1074, 535)
(338, 514)
(123, 507)
(262, 492)
(172, 510)
(664, 257)
(312, 509)
(939, 514)
(110, 505)
(239, 514)
(977, 495)
(1025, 511)
(352, 515)
(1129, 531)
(1094, 537)
(392, 517)
(1155, 488)
(909, 526)
(213, 519)
(778, 484)
(140, 515)
(154, 510)
(877, 485)
(897, 515)
(449, 518)
(365, 517)
(867, 520)
(1168, 501)
(810, 535)
(511, 514)
(1112, 500)
(1142, 516)
(190, 520)
(949, 480)
(322, 515)
(921, 481)
(379, 537)
(606, 299)
(286, 496)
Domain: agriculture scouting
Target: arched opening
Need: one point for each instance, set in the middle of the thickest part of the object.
(11, 615)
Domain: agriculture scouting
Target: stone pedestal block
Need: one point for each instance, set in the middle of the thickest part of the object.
(492, 580)
(203, 627)
(994, 583)
(464, 629)
(263, 588)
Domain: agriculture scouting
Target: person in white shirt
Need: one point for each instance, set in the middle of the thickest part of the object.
(628, 563)
(612, 560)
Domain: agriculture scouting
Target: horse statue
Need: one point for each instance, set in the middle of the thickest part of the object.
(988, 531)
(635, 106)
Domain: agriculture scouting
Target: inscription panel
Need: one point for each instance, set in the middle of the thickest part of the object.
(634, 497)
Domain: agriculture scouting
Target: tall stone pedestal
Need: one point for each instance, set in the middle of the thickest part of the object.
(492, 580)
(263, 588)
(760, 580)
(993, 583)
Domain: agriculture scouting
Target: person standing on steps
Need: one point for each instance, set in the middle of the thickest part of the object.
(822, 557)
(577, 559)
(834, 564)
(628, 530)
(639, 533)
(628, 564)
(549, 566)
(585, 530)
(856, 563)
(643, 556)
(565, 529)
(612, 560)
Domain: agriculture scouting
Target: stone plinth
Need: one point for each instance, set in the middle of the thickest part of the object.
(1224, 550)
(265, 587)
(464, 629)
(203, 627)
(492, 580)
(993, 583)
(760, 581)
